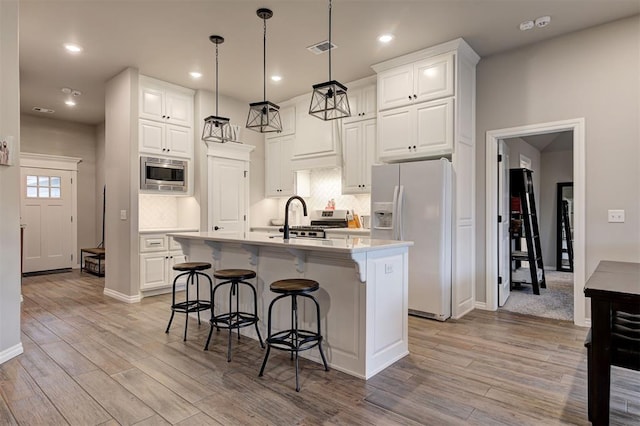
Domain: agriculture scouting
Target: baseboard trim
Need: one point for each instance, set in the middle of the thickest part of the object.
(481, 305)
(11, 352)
(122, 297)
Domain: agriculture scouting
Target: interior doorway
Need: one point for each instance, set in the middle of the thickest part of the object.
(493, 231)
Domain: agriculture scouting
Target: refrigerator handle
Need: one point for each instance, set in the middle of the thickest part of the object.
(394, 217)
(399, 213)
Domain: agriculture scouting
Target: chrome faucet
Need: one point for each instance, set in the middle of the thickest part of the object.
(286, 213)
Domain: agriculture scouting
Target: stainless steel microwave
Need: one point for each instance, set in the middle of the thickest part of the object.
(163, 174)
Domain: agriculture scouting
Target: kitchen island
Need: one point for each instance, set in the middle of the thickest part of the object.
(363, 290)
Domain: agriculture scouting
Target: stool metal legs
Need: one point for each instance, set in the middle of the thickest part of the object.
(188, 306)
(234, 319)
(294, 340)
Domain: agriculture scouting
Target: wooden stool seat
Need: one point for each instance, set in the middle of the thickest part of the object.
(191, 266)
(234, 274)
(294, 285)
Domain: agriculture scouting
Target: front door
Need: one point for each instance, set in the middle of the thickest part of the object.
(227, 197)
(46, 208)
(504, 237)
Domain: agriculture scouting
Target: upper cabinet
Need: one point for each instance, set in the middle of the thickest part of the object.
(288, 118)
(358, 154)
(421, 81)
(426, 102)
(362, 102)
(166, 119)
(279, 177)
(165, 102)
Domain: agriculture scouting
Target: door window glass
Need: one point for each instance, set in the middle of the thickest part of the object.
(43, 187)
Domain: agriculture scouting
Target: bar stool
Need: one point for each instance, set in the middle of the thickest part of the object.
(294, 340)
(234, 319)
(192, 270)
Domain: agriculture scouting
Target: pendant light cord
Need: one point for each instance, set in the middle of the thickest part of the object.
(217, 80)
(330, 46)
(264, 60)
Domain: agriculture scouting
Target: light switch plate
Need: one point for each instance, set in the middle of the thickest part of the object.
(616, 216)
(123, 215)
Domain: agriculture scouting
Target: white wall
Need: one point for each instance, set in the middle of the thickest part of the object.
(557, 166)
(43, 135)
(100, 178)
(592, 74)
(121, 150)
(10, 344)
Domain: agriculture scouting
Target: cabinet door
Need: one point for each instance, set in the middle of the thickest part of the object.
(152, 103)
(368, 101)
(395, 87)
(153, 270)
(316, 136)
(151, 137)
(179, 108)
(434, 78)
(174, 258)
(396, 133)
(179, 141)
(435, 127)
(369, 136)
(287, 178)
(272, 167)
(353, 158)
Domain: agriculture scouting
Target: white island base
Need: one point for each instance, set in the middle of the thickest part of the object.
(362, 296)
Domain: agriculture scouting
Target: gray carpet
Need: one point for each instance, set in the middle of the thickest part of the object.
(555, 301)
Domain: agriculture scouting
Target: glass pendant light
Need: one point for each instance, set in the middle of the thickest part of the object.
(329, 99)
(216, 128)
(264, 117)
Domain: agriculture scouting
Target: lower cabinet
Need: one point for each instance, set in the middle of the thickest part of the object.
(158, 254)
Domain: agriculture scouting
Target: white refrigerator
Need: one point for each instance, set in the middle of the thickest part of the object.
(412, 201)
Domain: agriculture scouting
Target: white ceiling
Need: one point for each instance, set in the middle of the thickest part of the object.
(167, 39)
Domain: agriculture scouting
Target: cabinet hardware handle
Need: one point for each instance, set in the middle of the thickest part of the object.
(409, 147)
(415, 96)
(409, 97)
(154, 244)
(215, 228)
(168, 117)
(414, 147)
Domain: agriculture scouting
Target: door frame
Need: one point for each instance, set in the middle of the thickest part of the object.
(577, 126)
(58, 162)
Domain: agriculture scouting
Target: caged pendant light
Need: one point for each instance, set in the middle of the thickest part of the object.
(264, 117)
(216, 128)
(329, 99)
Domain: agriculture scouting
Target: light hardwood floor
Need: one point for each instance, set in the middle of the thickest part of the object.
(89, 359)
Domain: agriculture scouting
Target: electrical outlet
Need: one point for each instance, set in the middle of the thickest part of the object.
(123, 215)
(616, 216)
(388, 268)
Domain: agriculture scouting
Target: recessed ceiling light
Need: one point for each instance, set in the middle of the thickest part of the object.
(70, 103)
(385, 38)
(73, 48)
(195, 74)
(543, 21)
(276, 78)
(526, 25)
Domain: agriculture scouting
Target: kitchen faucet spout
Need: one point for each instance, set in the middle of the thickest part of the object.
(286, 213)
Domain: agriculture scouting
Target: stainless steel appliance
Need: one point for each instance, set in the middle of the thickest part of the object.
(412, 201)
(321, 220)
(163, 174)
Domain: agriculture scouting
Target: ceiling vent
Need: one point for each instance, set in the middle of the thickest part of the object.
(321, 47)
(43, 110)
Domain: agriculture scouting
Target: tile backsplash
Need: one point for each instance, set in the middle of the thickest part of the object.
(326, 184)
(156, 211)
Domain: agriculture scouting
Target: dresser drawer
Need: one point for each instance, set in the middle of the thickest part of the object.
(153, 242)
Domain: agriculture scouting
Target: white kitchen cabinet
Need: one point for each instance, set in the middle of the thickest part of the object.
(417, 131)
(164, 102)
(158, 254)
(421, 81)
(359, 147)
(279, 177)
(362, 103)
(165, 139)
(288, 119)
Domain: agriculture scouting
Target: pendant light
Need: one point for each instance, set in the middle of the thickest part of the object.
(264, 117)
(329, 99)
(216, 128)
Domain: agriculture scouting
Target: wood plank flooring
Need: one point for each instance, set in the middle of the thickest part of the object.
(91, 360)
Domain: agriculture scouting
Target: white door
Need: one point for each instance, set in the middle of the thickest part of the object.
(504, 238)
(227, 197)
(46, 210)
